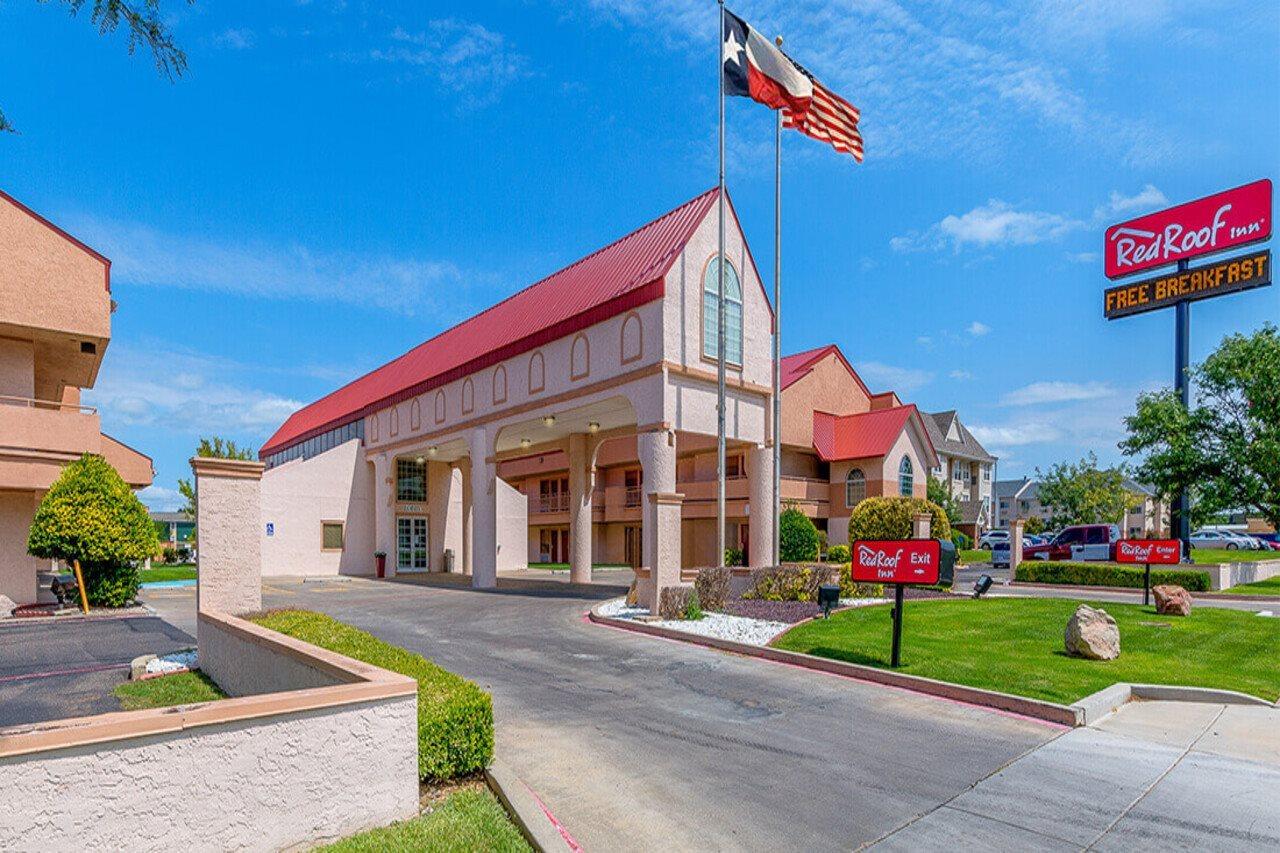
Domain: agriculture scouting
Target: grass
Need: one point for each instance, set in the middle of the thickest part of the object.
(1221, 555)
(1270, 586)
(467, 820)
(970, 555)
(1014, 645)
(178, 572)
(455, 717)
(183, 688)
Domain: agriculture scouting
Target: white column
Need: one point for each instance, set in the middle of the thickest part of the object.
(484, 512)
(760, 496)
(384, 510)
(464, 465)
(581, 485)
(661, 514)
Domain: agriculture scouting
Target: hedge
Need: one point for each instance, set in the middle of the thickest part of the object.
(455, 717)
(1107, 574)
(891, 517)
(798, 538)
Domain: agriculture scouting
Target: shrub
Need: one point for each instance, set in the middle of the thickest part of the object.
(675, 601)
(455, 717)
(712, 585)
(169, 554)
(890, 518)
(91, 515)
(1107, 574)
(961, 540)
(850, 589)
(793, 582)
(184, 554)
(692, 607)
(797, 535)
(839, 554)
(734, 557)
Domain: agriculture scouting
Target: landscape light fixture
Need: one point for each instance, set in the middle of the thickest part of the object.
(433, 450)
(524, 442)
(981, 585)
(419, 460)
(549, 420)
(594, 426)
(828, 597)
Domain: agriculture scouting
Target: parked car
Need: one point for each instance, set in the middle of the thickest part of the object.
(991, 537)
(1247, 540)
(1099, 541)
(1271, 540)
(1219, 539)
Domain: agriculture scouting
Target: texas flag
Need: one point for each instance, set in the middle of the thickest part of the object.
(754, 68)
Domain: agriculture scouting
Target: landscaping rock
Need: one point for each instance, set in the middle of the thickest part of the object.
(7, 607)
(633, 596)
(1092, 633)
(1172, 600)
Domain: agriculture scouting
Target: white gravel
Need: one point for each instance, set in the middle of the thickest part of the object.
(740, 629)
(176, 662)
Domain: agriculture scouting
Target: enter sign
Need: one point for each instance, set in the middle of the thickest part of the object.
(1162, 552)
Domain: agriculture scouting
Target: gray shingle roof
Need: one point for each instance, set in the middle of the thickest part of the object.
(939, 424)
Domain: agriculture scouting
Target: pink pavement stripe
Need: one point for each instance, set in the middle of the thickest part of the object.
(586, 617)
(53, 673)
(560, 827)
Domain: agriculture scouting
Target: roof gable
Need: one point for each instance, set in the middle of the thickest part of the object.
(623, 275)
(838, 438)
(793, 368)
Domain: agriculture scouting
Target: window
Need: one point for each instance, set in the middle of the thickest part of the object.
(732, 313)
(733, 467)
(855, 488)
(331, 536)
(906, 477)
(411, 480)
(986, 472)
(957, 472)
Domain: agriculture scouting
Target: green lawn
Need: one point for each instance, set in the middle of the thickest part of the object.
(975, 556)
(184, 688)
(467, 820)
(1014, 645)
(177, 572)
(1221, 555)
(1270, 586)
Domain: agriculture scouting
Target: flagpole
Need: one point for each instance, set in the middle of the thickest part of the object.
(720, 335)
(777, 333)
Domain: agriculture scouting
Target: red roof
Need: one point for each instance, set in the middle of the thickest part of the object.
(838, 438)
(623, 275)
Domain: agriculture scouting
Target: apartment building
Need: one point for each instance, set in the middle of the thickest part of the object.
(55, 324)
(965, 468)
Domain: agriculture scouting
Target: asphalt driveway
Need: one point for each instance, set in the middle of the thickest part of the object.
(67, 667)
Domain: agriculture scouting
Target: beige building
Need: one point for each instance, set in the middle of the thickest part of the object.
(965, 468)
(55, 324)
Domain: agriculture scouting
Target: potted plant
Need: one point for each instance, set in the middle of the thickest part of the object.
(381, 558)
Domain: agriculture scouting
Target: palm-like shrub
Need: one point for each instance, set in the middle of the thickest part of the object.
(90, 514)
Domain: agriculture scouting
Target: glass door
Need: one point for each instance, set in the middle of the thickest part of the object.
(411, 544)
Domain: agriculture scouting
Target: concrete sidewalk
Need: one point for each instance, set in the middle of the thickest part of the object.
(1152, 776)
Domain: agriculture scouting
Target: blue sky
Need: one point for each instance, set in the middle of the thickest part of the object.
(333, 182)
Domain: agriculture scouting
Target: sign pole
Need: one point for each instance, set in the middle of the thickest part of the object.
(1146, 584)
(895, 656)
(1181, 510)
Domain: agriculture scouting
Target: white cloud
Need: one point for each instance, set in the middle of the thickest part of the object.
(887, 377)
(143, 255)
(1083, 257)
(474, 63)
(1015, 435)
(1056, 392)
(1148, 198)
(960, 375)
(994, 224)
(234, 39)
(161, 499)
(978, 328)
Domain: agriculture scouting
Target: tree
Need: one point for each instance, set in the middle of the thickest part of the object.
(797, 536)
(1225, 452)
(891, 517)
(1034, 525)
(210, 448)
(144, 27)
(91, 515)
(1083, 493)
(938, 492)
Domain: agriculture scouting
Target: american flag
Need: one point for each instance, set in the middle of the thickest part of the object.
(829, 118)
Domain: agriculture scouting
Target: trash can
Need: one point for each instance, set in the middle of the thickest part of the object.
(947, 563)
(381, 560)
(448, 559)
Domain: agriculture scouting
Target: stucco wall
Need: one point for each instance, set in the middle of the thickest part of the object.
(513, 524)
(17, 568)
(828, 387)
(297, 496)
(17, 368)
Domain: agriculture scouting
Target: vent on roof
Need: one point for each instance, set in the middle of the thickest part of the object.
(88, 348)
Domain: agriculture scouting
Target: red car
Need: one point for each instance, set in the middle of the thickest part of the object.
(1099, 541)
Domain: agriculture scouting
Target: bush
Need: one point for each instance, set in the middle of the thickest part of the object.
(839, 554)
(91, 515)
(455, 717)
(184, 554)
(169, 554)
(794, 582)
(890, 518)
(797, 535)
(850, 589)
(712, 585)
(734, 557)
(961, 540)
(676, 602)
(1107, 574)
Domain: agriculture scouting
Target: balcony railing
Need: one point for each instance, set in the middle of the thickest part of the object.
(48, 405)
(632, 497)
(557, 502)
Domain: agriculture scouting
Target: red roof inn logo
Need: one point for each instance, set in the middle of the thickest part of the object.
(1148, 551)
(913, 561)
(1228, 219)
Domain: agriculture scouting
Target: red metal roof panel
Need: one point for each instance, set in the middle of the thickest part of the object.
(839, 438)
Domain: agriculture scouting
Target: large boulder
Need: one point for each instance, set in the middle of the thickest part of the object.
(1172, 600)
(6, 607)
(1092, 633)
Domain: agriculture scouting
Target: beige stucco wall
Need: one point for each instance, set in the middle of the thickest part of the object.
(17, 368)
(228, 518)
(513, 523)
(828, 387)
(297, 496)
(17, 568)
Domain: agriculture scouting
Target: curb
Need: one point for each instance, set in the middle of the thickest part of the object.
(536, 824)
(1049, 712)
(1209, 595)
(1108, 700)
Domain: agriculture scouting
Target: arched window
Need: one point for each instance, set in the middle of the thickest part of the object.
(906, 477)
(732, 312)
(855, 488)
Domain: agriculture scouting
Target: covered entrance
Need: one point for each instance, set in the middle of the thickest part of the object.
(412, 554)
